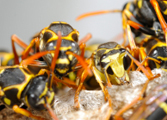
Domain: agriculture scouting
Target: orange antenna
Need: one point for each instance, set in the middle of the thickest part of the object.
(56, 51)
(96, 13)
(80, 59)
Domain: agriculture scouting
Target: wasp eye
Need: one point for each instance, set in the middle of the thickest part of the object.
(122, 50)
(75, 37)
(126, 61)
(47, 36)
(109, 71)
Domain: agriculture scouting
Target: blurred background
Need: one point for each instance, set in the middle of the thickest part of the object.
(27, 17)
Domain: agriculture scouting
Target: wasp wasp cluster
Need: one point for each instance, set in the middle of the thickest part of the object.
(106, 81)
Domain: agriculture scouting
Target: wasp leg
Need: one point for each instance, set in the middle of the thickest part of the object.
(48, 107)
(104, 89)
(82, 44)
(76, 98)
(85, 71)
(131, 40)
(124, 25)
(160, 17)
(69, 81)
(29, 48)
(134, 101)
(86, 38)
(143, 29)
(25, 112)
(145, 58)
(81, 60)
(150, 76)
(107, 77)
(14, 39)
(82, 47)
(64, 81)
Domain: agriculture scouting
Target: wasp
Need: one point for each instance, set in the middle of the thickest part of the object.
(62, 38)
(144, 16)
(153, 107)
(19, 85)
(155, 53)
(110, 64)
(47, 40)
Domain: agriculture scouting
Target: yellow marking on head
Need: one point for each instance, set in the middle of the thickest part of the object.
(64, 48)
(57, 22)
(165, 12)
(55, 36)
(162, 58)
(115, 61)
(139, 3)
(159, 44)
(62, 61)
(72, 76)
(70, 57)
(7, 101)
(62, 71)
(26, 101)
(163, 105)
(44, 92)
(111, 58)
(51, 97)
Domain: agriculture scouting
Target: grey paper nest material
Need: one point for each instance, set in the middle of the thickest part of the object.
(93, 106)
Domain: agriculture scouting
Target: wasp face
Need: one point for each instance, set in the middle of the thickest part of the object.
(114, 61)
(48, 41)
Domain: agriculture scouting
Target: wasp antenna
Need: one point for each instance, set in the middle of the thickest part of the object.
(117, 37)
(143, 69)
(130, 36)
(31, 59)
(56, 53)
(28, 49)
(86, 38)
(20, 42)
(96, 13)
(80, 59)
(24, 112)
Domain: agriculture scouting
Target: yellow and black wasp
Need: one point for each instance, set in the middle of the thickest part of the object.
(47, 40)
(156, 54)
(153, 55)
(144, 16)
(19, 85)
(62, 38)
(110, 64)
